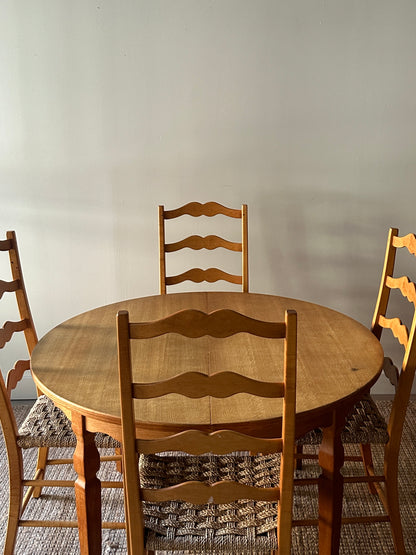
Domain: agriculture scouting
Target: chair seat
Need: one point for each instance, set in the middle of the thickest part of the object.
(364, 424)
(243, 526)
(47, 426)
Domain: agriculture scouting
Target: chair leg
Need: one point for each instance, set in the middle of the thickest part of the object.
(392, 499)
(41, 465)
(298, 462)
(119, 464)
(367, 457)
(15, 504)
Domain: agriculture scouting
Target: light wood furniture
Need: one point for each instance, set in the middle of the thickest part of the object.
(196, 242)
(365, 425)
(17, 481)
(195, 385)
(12, 327)
(338, 361)
(45, 426)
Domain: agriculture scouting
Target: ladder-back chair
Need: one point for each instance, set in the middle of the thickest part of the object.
(365, 425)
(45, 426)
(210, 242)
(197, 502)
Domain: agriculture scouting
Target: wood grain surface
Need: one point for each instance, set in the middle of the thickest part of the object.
(76, 363)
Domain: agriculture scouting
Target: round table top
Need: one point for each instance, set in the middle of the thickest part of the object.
(76, 363)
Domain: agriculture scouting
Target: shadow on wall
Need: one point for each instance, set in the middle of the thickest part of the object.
(329, 248)
(324, 247)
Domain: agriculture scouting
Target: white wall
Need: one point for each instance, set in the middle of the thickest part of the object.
(305, 110)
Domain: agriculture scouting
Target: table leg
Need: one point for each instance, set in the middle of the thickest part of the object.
(331, 486)
(87, 488)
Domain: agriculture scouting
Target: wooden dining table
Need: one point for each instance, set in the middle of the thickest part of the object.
(75, 364)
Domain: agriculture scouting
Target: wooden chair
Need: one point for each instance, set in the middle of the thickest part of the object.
(365, 425)
(45, 426)
(206, 499)
(196, 242)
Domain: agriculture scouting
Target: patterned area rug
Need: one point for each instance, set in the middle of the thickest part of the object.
(357, 539)
(363, 539)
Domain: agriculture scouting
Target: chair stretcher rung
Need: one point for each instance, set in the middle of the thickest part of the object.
(305, 481)
(113, 525)
(49, 483)
(115, 484)
(49, 523)
(306, 522)
(59, 461)
(365, 519)
(345, 520)
(67, 524)
(67, 483)
(363, 479)
(103, 458)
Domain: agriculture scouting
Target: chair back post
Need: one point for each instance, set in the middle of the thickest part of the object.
(288, 434)
(384, 291)
(132, 501)
(26, 324)
(21, 295)
(408, 368)
(162, 254)
(402, 396)
(406, 338)
(244, 224)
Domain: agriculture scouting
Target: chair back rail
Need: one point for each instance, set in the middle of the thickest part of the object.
(209, 242)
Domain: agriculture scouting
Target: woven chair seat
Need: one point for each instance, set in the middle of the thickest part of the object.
(240, 527)
(364, 424)
(47, 426)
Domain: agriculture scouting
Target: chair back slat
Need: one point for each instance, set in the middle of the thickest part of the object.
(209, 242)
(195, 323)
(406, 287)
(196, 442)
(9, 329)
(196, 385)
(397, 327)
(6, 244)
(408, 241)
(391, 371)
(8, 287)
(208, 209)
(198, 275)
(200, 493)
(15, 374)
(197, 242)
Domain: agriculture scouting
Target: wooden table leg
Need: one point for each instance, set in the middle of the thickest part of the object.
(87, 488)
(331, 486)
